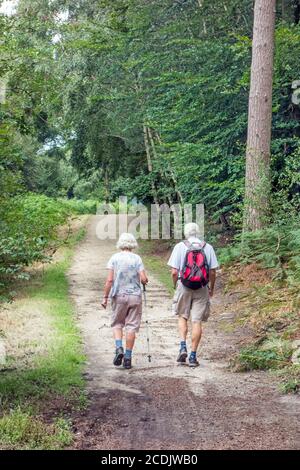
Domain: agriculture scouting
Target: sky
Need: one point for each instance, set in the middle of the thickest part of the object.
(8, 6)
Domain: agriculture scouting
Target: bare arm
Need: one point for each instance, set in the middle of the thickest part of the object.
(107, 287)
(143, 277)
(174, 275)
(212, 280)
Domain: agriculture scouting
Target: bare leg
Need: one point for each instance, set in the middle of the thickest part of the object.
(183, 328)
(196, 335)
(130, 339)
(118, 333)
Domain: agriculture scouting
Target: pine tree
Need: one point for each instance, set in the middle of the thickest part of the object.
(260, 117)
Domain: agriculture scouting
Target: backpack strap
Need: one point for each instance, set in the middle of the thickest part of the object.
(189, 245)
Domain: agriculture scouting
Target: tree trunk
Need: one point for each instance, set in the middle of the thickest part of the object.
(260, 117)
(156, 158)
(106, 185)
(149, 162)
(297, 11)
(147, 148)
(173, 177)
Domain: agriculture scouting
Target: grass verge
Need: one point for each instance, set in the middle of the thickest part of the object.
(20, 430)
(155, 255)
(271, 309)
(54, 378)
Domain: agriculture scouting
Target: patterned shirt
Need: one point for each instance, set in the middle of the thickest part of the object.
(126, 267)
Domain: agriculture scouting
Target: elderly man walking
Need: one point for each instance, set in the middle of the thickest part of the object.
(194, 265)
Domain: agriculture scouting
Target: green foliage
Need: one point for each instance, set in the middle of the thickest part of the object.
(89, 187)
(78, 206)
(290, 379)
(21, 431)
(276, 247)
(28, 227)
(138, 187)
(264, 357)
(182, 69)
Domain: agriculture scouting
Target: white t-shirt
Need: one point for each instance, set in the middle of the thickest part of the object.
(177, 257)
(127, 267)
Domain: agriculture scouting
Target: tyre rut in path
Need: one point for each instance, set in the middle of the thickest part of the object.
(162, 405)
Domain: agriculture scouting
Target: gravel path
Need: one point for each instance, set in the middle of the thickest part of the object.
(162, 405)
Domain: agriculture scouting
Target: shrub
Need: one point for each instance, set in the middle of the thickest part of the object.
(268, 355)
(79, 206)
(277, 247)
(290, 379)
(28, 226)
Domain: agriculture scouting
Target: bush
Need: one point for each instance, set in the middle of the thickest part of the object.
(79, 206)
(290, 379)
(276, 247)
(268, 355)
(28, 226)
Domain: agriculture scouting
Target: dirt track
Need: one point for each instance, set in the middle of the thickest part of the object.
(162, 405)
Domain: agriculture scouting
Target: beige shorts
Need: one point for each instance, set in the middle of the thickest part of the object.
(189, 303)
(126, 312)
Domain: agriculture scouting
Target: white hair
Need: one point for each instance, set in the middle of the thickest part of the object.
(127, 240)
(191, 230)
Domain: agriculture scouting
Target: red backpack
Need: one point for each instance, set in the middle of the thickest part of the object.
(195, 271)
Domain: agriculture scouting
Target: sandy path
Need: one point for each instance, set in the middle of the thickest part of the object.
(163, 405)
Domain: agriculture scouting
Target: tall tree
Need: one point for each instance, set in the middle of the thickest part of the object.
(260, 117)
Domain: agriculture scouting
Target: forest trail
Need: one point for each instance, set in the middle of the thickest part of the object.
(162, 405)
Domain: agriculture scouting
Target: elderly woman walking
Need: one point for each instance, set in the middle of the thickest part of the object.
(123, 285)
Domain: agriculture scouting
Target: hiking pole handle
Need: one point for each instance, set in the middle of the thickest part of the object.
(144, 287)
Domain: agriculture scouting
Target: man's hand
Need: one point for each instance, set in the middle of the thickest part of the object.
(104, 302)
(174, 276)
(212, 280)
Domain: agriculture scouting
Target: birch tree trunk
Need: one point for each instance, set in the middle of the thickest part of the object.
(156, 157)
(260, 117)
(149, 161)
(172, 174)
(106, 186)
(147, 148)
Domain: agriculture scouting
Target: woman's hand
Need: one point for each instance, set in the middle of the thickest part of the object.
(143, 278)
(104, 302)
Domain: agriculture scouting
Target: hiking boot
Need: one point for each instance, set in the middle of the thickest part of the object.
(182, 355)
(127, 363)
(118, 357)
(193, 362)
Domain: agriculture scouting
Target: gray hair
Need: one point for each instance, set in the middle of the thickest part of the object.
(127, 240)
(191, 230)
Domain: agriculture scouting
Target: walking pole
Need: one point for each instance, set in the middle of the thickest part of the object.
(147, 324)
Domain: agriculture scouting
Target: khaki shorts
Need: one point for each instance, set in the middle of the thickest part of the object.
(126, 312)
(191, 303)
